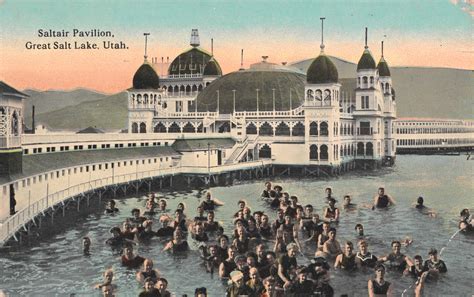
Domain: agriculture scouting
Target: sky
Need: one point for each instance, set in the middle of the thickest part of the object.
(428, 33)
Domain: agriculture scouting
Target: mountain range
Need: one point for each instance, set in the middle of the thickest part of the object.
(420, 92)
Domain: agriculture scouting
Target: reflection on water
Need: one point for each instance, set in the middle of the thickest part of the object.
(56, 267)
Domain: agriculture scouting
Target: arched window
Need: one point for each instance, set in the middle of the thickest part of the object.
(318, 95)
(313, 152)
(360, 149)
(188, 90)
(176, 90)
(341, 153)
(142, 128)
(181, 89)
(324, 129)
(327, 97)
(364, 79)
(200, 88)
(225, 127)
(369, 149)
(265, 152)
(188, 128)
(282, 129)
(324, 152)
(251, 129)
(134, 128)
(313, 129)
(159, 128)
(145, 98)
(174, 128)
(266, 129)
(139, 99)
(309, 95)
(194, 89)
(298, 129)
(371, 80)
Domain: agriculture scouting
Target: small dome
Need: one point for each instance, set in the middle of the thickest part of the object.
(212, 68)
(146, 78)
(383, 68)
(321, 71)
(366, 61)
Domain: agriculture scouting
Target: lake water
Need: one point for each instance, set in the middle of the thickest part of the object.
(56, 267)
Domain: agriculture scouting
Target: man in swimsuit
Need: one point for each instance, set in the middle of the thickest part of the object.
(228, 265)
(162, 286)
(149, 289)
(396, 260)
(286, 263)
(86, 245)
(209, 203)
(359, 229)
(148, 272)
(331, 213)
(379, 286)
(382, 200)
(363, 257)
(348, 205)
(346, 260)
(268, 189)
(331, 247)
(415, 267)
(162, 205)
(238, 287)
(129, 259)
(434, 265)
(111, 209)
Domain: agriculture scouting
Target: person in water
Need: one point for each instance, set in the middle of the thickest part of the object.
(117, 239)
(379, 286)
(364, 258)
(286, 263)
(136, 219)
(108, 278)
(148, 272)
(420, 206)
(331, 213)
(434, 265)
(228, 265)
(346, 260)
(359, 230)
(331, 247)
(328, 192)
(129, 259)
(162, 286)
(86, 245)
(110, 208)
(396, 260)
(415, 267)
(178, 243)
(237, 285)
(382, 200)
(210, 203)
(149, 289)
(348, 205)
(267, 190)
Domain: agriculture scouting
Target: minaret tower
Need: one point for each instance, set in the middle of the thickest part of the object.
(321, 107)
(369, 109)
(213, 69)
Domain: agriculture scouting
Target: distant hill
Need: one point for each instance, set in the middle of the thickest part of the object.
(422, 91)
(46, 101)
(107, 113)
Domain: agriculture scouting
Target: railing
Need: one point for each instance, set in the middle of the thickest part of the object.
(198, 75)
(10, 142)
(187, 114)
(11, 225)
(272, 113)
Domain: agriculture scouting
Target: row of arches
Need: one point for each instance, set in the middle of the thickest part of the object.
(138, 127)
(183, 90)
(321, 97)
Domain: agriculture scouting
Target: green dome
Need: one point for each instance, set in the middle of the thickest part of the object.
(383, 68)
(366, 61)
(212, 68)
(245, 83)
(321, 71)
(192, 61)
(146, 78)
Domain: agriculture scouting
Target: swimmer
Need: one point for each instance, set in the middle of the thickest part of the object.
(255, 282)
(379, 286)
(149, 289)
(328, 192)
(210, 203)
(331, 213)
(382, 200)
(86, 245)
(363, 257)
(110, 208)
(302, 286)
(286, 263)
(200, 292)
(136, 218)
(108, 278)
(117, 240)
(267, 190)
(223, 241)
(162, 205)
(348, 203)
(108, 291)
(359, 230)
(212, 259)
(434, 265)
(332, 247)
(130, 260)
(415, 267)
(146, 233)
(148, 272)
(466, 217)
(396, 260)
(423, 209)
(162, 286)
(228, 265)
(200, 217)
(178, 243)
(346, 260)
(237, 286)
(210, 225)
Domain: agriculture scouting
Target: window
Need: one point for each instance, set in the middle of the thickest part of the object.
(365, 128)
(365, 102)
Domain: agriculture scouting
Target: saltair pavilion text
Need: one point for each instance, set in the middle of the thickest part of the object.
(74, 33)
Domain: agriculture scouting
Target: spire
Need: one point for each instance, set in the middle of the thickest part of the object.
(366, 46)
(194, 38)
(322, 34)
(146, 43)
(212, 47)
(242, 59)
(382, 49)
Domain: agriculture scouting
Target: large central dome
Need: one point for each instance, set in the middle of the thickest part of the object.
(245, 83)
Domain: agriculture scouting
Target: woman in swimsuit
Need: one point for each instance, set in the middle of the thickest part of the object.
(178, 243)
(148, 272)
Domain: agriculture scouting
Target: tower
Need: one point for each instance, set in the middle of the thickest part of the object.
(11, 129)
(144, 97)
(321, 108)
(369, 108)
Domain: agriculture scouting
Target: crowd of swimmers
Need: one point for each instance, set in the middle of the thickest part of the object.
(259, 256)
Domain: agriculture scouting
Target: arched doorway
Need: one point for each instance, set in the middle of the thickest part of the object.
(282, 129)
(251, 129)
(360, 149)
(174, 128)
(266, 129)
(159, 128)
(265, 152)
(369, 149)
(298, 129)
(188, 128)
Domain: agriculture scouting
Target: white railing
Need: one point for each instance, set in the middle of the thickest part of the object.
(187, 114)
(11, 225)
(197, 75)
